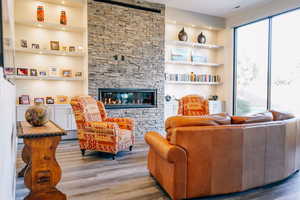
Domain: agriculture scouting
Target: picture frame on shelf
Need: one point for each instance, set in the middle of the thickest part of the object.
(62, 99)
(197, 57)
(35, 46)
(180, 54)
(64, 48)
(24, 43)
(54, 45)
(67, 73)
(78, 74)
(53, 71)
(33, 72)
(39, 100)
(72, 48)
(24, 100)
(50, 100)
(22, 71)
(43, 73)
(9, 71)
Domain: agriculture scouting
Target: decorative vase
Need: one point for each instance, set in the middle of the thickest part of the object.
(40, 14)
(201, 38)
(37, 115)
(182, 36)
(63, 17)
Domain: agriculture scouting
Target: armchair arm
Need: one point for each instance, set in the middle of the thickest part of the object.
(107, 128)
(124, 123)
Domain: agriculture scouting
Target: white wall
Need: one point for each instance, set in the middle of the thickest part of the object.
(7, 140)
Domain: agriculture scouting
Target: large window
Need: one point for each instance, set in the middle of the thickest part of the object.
(267, 65)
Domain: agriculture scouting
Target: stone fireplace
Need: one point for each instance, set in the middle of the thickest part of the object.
(126, 51)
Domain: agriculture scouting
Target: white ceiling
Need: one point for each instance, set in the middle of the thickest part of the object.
(221, 8)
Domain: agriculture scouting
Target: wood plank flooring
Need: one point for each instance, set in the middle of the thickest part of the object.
(97, 177)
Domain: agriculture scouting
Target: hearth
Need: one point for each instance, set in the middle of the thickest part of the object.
(124, 98)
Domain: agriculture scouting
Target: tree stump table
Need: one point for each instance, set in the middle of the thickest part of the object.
(42, 172)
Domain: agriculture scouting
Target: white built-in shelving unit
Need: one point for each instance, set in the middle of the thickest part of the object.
(43, 58)
(213, 64)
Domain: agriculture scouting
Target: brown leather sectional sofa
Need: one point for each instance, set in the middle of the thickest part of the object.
(211, 157)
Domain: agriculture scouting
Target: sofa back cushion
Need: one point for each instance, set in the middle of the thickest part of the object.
(257, 118)
(204, 120)
(278, 116)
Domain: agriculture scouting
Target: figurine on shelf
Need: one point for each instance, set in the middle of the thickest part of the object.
(40, 14)
(63, 18)
(202, 38)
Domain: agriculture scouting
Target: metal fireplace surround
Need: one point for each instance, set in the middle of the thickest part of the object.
(124, 98)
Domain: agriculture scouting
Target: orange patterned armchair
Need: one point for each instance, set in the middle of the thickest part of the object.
(98, 132)
(193, 105)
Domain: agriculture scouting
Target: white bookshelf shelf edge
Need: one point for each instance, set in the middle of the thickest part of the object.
(193, 44)
(193, 83)
(49, 52)
(193, 63)
(46, 78)
(51, 26)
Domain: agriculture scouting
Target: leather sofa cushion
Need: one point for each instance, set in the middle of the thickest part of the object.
(278, 116)
(204, 120)
(257, 118)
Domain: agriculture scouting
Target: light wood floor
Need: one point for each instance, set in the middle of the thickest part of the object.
(97, 177)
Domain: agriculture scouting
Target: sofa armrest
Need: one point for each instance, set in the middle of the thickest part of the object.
(107, 128)
(124, 123)
(162, 147)
(173, 155)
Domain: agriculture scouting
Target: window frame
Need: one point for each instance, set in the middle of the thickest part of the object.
(269, 65)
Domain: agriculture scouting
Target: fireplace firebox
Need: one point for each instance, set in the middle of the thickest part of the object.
(124, 98)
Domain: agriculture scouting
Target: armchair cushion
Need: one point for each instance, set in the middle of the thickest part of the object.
(124, 123)
(103, 127)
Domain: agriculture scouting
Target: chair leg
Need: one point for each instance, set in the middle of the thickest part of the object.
(130, 148)
(82, 152)
(114, 156)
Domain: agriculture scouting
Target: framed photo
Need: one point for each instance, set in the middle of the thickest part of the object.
(24, 100)
(198, 57)
(64, 48)
(33, 72)
(39, 100)
(22, 71)
(42, 73)
(72, 49)
(54, 45)
(9, 70)
(35, 46)
(49, 100)
(180, 54)
(62, 100)
(24, 43)
(67, 73)
(78, 74)
(53, 71)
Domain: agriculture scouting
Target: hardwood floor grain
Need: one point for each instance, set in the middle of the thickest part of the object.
(97, 177)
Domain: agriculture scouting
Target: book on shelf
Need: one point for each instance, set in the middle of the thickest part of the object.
(192, 77)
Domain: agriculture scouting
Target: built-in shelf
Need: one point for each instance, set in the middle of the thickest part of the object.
(193, 64)
(198, 26)
(51, 26)
(49, 52)
(193, 83)
(46, 78)
(193, 44)
(69, 3)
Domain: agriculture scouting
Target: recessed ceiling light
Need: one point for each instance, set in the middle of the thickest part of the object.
(237, 7)
(63, 2)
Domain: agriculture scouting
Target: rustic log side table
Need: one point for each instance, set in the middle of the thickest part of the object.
(42, 172)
